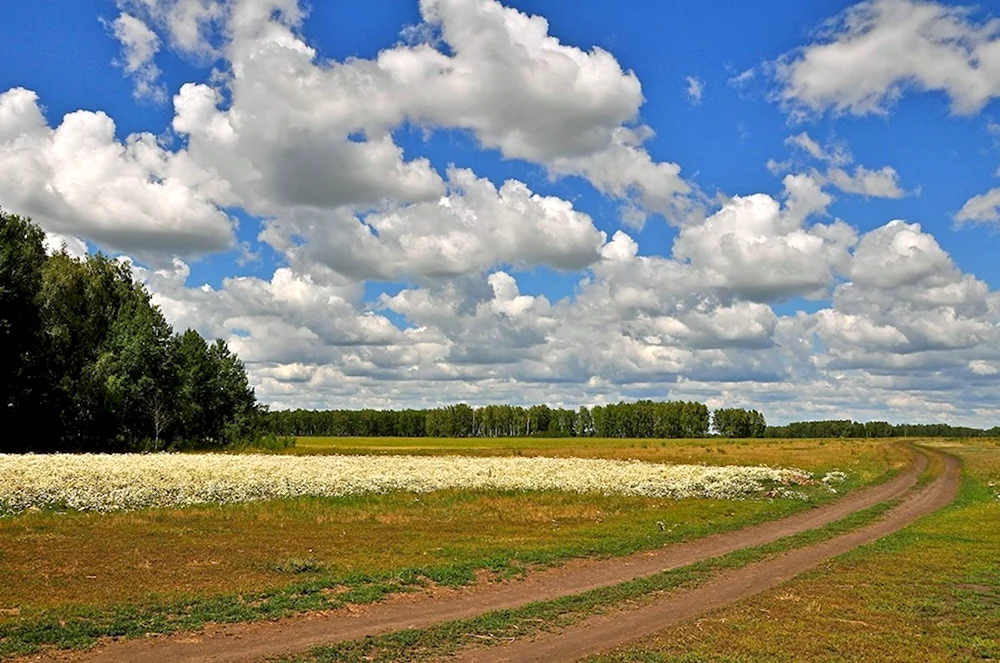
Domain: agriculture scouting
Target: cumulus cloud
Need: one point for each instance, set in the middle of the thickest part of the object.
(880, 183)
(757, 250)
(188, 24)
(139, 48)
(297, 126)
(903, 320)
(870, 182)
(79, 179)
(474, 226)
(877, 49)
(984, 208)
(905, 292)
(307, 143)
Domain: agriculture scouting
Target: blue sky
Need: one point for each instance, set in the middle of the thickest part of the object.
(775, 79)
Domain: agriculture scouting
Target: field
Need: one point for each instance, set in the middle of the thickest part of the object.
(71, 577)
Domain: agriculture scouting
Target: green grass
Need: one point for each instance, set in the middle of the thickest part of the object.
(70, 579)
(930, 592)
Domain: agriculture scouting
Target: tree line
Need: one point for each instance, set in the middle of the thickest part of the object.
(880, 429)
(642, 419)
(89, 363)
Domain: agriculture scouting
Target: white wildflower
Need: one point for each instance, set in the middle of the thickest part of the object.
(99, 482)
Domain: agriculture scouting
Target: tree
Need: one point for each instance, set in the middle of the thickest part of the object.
(216, 404)
(739, 423)
(138, 377)
(89, 363)
(103, 338)
(22, 254)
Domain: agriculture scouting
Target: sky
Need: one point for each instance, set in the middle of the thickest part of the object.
(780, 205)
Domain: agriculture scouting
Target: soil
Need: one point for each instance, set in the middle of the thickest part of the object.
(255, 641)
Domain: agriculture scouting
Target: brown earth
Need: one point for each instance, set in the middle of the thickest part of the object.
(247, 642)
(605, 632)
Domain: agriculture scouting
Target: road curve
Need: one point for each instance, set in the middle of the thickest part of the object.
(605, 632)
(253, 641)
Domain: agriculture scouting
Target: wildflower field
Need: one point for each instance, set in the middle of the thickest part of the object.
(93, 545)
(105, 482)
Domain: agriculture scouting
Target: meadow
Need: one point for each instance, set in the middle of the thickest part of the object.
(72, 576)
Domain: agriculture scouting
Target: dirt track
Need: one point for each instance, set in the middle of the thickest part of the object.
(605, 632)
(247, 642)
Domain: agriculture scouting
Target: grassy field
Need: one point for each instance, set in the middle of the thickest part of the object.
(70, 578)
(928, 593)
(807, 454)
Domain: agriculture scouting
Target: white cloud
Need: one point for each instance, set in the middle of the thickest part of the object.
(984, 208)
(79, 179)
(188, 24)
(879, 183)
(74, 246)
(838, 155)
(873, 183)
(756, 250)
(879, 48)
(899, 254)
(307, 143)
(471, 228)
(573, 114)
(139, 48)
(906, 331)
(695, 89)
(624, 170)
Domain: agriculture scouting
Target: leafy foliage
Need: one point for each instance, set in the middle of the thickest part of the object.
(21, 258)
(855, 429)
(89, 363)
(735, 422)
(641, 419)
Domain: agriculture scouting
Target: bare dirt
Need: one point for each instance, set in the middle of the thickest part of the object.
(608, 631)
(248, 642)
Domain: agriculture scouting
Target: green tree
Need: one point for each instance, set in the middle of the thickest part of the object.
(102, 338)
(739, 423)
(215, 403)
(22, 255)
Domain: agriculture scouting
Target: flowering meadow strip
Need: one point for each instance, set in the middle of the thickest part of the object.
(98, 482)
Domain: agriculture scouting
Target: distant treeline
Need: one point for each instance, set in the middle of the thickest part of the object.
(848, 428)
(88, 362)
(643, 419)
(640, 419)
